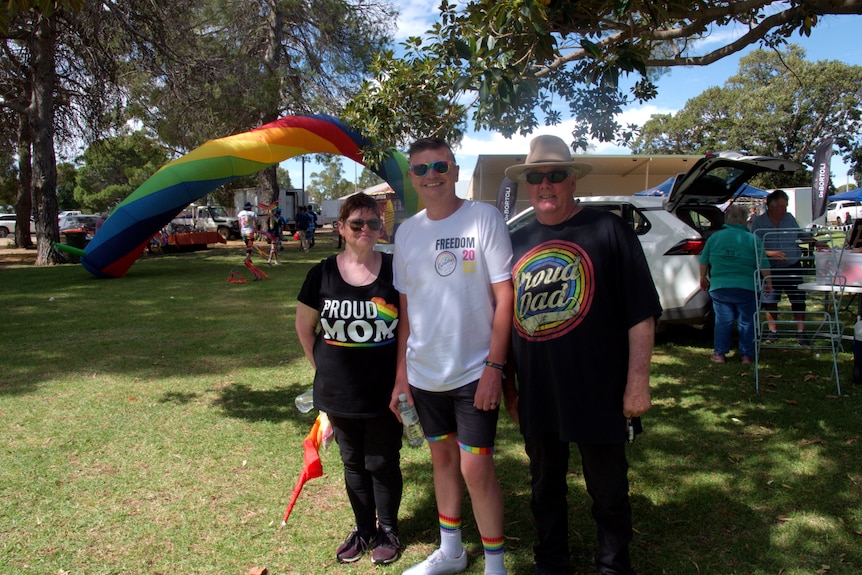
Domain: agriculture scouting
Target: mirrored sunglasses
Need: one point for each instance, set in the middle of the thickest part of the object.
(441, 167)
(357, 225)
(554, 177)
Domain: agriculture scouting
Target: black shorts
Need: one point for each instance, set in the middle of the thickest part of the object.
(786, 280)
(446, 413)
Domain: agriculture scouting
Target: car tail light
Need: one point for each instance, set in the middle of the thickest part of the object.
(687, 248)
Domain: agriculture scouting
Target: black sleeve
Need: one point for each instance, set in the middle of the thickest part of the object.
(309, 293)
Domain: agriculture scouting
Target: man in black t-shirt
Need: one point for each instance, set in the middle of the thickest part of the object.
(583, 331)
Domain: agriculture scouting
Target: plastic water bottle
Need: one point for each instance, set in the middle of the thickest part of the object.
(412, 427)
(305, 401)
(857, 351)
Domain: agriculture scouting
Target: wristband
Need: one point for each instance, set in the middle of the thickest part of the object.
(494, 365)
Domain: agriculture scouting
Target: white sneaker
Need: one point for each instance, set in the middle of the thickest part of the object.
(438, 563)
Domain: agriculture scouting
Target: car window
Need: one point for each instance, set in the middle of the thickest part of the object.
(723, 176)
(633, 216)
(705, 219)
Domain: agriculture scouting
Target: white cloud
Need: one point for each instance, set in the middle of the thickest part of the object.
(416, 17)
(493, 143)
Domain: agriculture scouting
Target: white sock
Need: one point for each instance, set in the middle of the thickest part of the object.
(450, 537)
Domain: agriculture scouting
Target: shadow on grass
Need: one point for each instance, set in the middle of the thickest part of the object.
(749, 471)
(272, 405)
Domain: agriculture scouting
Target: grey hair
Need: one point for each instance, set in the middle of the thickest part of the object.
(735, 215)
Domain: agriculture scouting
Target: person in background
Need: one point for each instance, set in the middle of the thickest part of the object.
(752, 213)
(582, 337)
(453, 271)
(728, 266)
(102, 217)
(313, 225)
(303, 221)
(781, 237)
(276, 225)
(347, 322)
(247, 227)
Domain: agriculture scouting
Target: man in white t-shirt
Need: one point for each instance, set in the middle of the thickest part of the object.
(247, 227)
(453, 267)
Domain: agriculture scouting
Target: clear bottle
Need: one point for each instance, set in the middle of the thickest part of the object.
(412, 427)
(305, 401)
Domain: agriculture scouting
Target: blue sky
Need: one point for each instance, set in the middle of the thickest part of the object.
(835, 38)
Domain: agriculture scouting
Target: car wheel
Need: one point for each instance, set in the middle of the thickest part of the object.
(837, 221)
(224, 233)
(3, 232)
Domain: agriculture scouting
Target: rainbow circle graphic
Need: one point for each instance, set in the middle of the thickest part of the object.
(554, 288)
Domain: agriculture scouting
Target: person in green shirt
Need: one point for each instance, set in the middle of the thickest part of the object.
(728, 264)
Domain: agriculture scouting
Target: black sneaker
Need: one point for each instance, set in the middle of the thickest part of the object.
(771, 338)
(387, 548)
(352, 548)
(802, 339)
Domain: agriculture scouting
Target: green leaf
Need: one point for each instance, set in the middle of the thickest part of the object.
(591, 48)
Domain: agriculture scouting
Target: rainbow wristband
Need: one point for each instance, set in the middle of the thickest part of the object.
(495, 365)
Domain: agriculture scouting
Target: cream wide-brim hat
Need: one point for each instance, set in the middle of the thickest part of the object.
(548, 152)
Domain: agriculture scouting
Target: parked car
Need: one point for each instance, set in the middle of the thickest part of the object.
(843, 212)
(673, 231)
(8, 225)
(78, 222)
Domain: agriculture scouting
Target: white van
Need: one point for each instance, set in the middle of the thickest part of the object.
(843, 212)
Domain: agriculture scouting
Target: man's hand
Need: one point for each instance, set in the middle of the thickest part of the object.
(776, 255)
(489, 391)
(636, 400)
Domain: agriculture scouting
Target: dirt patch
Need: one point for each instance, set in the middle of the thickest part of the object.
(10, 255)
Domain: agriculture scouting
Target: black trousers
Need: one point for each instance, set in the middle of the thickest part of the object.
(370, 450)
(605, 471)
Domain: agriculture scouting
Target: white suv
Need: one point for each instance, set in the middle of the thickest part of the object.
(8, 224)
(673, 231)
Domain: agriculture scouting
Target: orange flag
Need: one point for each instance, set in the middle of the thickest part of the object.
(312, 467)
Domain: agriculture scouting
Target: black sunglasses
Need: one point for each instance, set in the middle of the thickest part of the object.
(554, 177)
(357, 225)
(441, 167)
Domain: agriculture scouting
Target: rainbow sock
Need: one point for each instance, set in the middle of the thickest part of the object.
(494, 552)
(450, 536)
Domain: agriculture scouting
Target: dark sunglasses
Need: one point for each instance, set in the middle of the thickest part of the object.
(357, 225)
(554, 177)
(441, 167)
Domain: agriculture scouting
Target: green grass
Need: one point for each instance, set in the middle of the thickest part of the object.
(147, 427)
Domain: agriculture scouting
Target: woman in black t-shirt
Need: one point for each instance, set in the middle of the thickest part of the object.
(346, 321)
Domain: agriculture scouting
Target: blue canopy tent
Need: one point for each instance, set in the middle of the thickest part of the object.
(663, 189)
(850, 195)
(746, 191)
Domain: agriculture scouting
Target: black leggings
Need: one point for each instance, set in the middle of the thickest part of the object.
(370, 451)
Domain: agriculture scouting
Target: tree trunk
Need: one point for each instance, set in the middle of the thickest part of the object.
(24, 201)
(41, 114)
(268, 185)
(268, 178)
